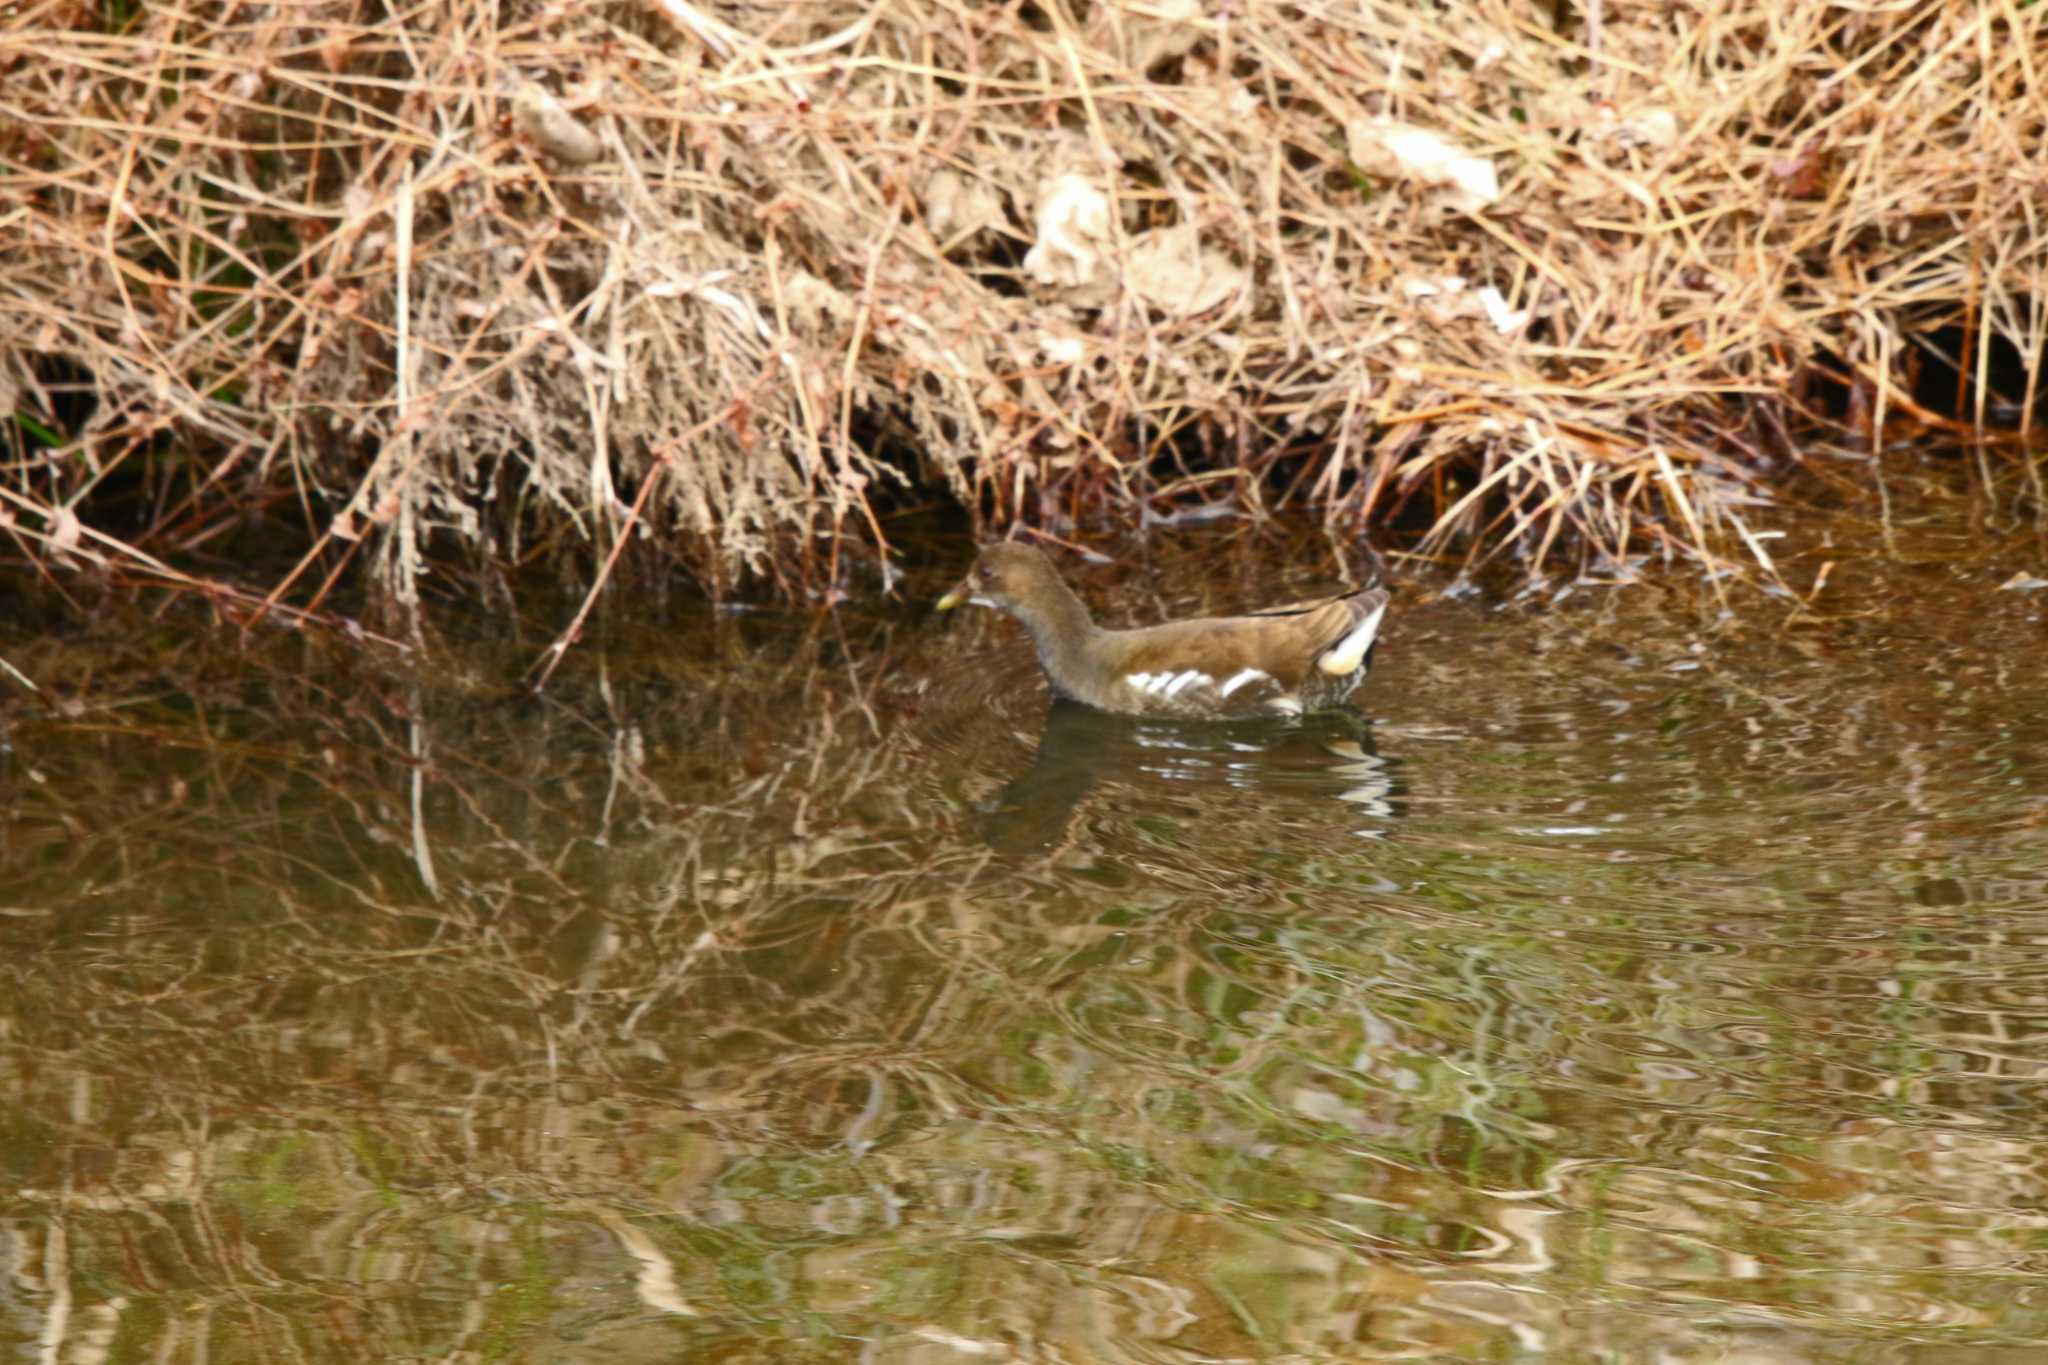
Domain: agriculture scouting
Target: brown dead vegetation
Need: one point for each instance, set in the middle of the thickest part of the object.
(750, 273)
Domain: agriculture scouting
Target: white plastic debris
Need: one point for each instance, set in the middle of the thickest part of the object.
(1410, 153)
(1446, 298)
(1062, 350)
(1503, 318)
(1074, 238)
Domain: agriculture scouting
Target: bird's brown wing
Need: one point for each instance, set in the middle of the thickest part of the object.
(1231, 665)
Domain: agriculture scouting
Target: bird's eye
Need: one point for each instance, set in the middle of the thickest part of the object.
(982, 573)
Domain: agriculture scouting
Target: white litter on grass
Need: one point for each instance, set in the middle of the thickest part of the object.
(1410, 153)
(1062, 350)
(1073, 236)
(1503, 318)
(1445, 298)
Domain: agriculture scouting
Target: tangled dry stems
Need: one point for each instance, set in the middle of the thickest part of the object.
(746, 271)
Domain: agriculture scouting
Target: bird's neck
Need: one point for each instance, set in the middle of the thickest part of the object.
(1059, 626)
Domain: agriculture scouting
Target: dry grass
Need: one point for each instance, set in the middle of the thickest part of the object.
(495, 275)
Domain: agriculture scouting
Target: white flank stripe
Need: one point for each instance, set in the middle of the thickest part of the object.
(1191, 678)
(1287, 706)
(1344, 657)
(1141, 681)
(1158, 683)
(1241, 677)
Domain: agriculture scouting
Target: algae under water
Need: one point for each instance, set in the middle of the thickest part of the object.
(1629, 980)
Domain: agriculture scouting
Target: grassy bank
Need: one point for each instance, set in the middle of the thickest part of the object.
(530, 280)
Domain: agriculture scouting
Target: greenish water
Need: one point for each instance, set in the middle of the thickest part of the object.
(1629, 981)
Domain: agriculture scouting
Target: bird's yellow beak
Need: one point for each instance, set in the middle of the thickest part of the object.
(960, 594)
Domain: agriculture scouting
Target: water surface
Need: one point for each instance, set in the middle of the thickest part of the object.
(1633, 977)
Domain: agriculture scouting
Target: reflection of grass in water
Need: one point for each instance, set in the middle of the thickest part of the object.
(378, 1161)
(525, 1292)
(269, 1188)
(720, 951)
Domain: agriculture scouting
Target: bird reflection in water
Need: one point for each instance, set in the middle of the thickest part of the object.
(1331, 755)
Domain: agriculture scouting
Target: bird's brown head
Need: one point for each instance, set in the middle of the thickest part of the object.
(1010, 577)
